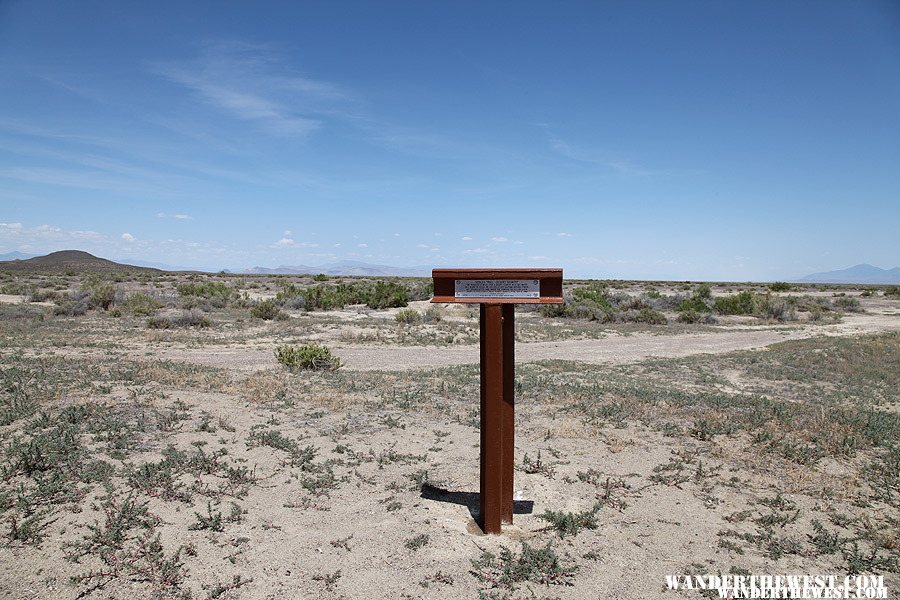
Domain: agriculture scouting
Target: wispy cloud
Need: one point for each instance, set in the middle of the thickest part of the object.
(606, 159)
(128, 237)
(249, 82)
(289, 242)
(176, 216)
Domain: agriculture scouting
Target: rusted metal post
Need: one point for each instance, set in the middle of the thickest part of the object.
(491, 496)
(497, 291)
(509, 405)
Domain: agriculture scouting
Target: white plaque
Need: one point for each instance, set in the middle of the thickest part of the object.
(498, 288)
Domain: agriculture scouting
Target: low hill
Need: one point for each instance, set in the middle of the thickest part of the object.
(866, 274)
(70, 260)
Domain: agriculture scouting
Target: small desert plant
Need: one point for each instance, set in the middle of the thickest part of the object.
(216, 292)
(308, 356)
(417, 542)
(43, 296)
(75, 305)
(188, 318)
(779, 286)
(644, 315)
(537, 565)
(408, 316)
(569, 523)
(212, 520)
(847, 304)
(768, 307)
(267, 310)
(434, 314)
(141, 305)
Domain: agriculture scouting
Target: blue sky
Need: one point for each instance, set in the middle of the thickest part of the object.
(683, 140)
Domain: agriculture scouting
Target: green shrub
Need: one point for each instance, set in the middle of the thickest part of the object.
(44, 296)
(595, 293)
(779, 286)
(703, 292)
(387, 295)
(768, 307)
(644, 315)
(141, 305)
(267, 310)
(738, 304)
(699, 300)
(188, 318)
(215, 291)
(308, 356)
(102, 295)
(75, 305)
(408, 316)
(688, 316)
(847, 304)
(320, 277)
(325, 297)
(893, 290)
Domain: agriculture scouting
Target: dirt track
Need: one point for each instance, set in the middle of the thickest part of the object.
(615, 349)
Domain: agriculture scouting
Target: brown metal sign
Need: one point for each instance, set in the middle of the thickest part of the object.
(497, 291)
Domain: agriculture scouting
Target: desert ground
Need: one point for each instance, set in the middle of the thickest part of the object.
(178, 435)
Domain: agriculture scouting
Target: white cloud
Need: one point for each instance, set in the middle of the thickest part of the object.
(499, 239)
(287, 233)
(287, 242)
(11, 226)
(563, 234)
(537, 258)
(396, 235)
(248, 82)
(362, 245)
(466, 238)
(422, 246)
(176, 216)
(128, 237)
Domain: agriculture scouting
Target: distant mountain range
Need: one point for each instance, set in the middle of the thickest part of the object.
(864, 273)
(344, 267)
(77, 260)
(68, 260)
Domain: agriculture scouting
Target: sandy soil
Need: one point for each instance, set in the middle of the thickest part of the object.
(352, 539)
(615, 349)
